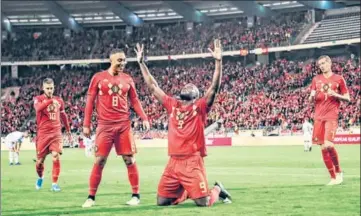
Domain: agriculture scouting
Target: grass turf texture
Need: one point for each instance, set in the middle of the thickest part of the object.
(262, 181)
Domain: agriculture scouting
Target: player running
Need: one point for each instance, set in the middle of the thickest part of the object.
(327, 90)
(307, 135)
(13, 142)
(185, 176)
(112, 89)
(49, 110)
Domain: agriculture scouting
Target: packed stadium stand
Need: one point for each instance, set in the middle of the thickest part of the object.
(254, 95)
(163, 39)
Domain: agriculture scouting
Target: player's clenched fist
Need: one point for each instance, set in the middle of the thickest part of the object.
(86, 132)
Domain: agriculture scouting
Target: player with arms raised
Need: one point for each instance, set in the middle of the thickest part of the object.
(185, 175)
(112, 88)
(49, 111)
(327, 90)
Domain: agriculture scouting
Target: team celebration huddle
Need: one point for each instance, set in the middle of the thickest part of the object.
(111, 92)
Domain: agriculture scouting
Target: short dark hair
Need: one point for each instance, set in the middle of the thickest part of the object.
(115, 51)
(48, 81)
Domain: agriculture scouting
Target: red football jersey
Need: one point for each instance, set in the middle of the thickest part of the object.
(186, 126)
(48, 115)
(327, 107)
(112, 94)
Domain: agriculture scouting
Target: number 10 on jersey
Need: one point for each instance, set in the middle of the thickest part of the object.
(52, 116)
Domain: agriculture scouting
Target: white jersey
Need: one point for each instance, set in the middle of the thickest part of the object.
(307, 129)
(12, 138)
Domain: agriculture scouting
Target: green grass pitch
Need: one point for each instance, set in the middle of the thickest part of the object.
(262, 180)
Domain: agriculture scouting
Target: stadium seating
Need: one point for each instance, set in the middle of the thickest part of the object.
(162, 39)
(252, 97)
(336, 27)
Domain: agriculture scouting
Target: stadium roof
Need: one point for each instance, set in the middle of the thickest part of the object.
(75, 14)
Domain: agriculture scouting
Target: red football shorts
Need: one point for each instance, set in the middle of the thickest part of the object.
(47, 143)
(324, 130)
(184, 174)
(121, 136)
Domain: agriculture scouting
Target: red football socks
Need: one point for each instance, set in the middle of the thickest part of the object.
(56, 170)
(40, 169)
(328, 162)
(95, 178)
(214, 195)
(334, 158)
(133, 176)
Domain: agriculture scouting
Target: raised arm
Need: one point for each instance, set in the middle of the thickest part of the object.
(217, 76)
(149, 79)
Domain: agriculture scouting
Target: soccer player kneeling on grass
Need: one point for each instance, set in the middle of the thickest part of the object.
(185, 176)
(327, 90)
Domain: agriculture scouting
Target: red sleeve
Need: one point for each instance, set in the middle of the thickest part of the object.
(39, 105)
(168, 103)
(313, 84)
(91, 95)
(343, 87)
(202, 103)
(134, 100)
(64, 116)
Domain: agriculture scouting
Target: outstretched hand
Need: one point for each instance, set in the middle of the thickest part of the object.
(139, 51)
(217, 52)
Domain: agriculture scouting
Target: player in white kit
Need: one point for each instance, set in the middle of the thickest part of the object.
(307, 135)
(89, 145)
(13, 142)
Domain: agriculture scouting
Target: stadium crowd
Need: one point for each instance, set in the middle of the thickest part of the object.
(252, 97)
(160, 39)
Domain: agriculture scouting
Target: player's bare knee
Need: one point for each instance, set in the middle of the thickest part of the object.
(128, 159)
(328, 144)
(100, 160)
(202, 202)
(40, 161)
(55, 155)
